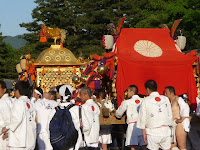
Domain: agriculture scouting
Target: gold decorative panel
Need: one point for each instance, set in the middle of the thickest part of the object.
(56, 56)
(51, 78)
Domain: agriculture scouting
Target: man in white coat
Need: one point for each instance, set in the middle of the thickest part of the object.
(65, 93)
(44, 108)
(181, 123)
(92, 112)
(105, 122)
(5, 109)
(22, 127)
(155, 117)
(131, 107)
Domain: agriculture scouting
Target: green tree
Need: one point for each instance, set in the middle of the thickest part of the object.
(86, 20)
(2, 56)
(8, 60)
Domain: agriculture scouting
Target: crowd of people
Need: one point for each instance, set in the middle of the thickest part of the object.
(34, 119)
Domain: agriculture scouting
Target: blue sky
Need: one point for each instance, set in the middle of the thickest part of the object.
(14, 12)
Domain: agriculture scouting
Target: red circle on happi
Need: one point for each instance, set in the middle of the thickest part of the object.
(137, 101)
(92, 108)
(158, 99)
(28, 105)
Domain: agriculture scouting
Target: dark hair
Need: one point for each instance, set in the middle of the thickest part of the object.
(86, 90)
(133, 88)
(24, 88)
(67, 92)
(171, 89)
(58, 87)
(151, 85)
(40, 90)
(3, 84)
(53, 93)
(101, 94)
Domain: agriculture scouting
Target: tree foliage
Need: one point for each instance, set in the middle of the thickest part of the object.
(86, 21)
(8, 60)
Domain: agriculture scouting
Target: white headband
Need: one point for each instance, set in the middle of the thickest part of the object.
(62, 92)
(36, 91)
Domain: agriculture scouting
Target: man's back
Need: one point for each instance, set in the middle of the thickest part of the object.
(131, 107)
(22, 127)
(92, 112)
(5, 111)
(155, 111)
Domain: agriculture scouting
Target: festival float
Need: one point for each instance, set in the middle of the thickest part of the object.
(54, 66)
(137, 55)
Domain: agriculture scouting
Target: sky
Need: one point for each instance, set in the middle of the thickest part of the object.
(14, 12)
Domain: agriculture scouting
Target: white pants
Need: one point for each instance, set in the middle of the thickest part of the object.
(156, 142)
(3, 144)
(17, 148)
(44, 142)
(105, 135)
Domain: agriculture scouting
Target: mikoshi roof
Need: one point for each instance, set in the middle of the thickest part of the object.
(56, 56)
(151, 54)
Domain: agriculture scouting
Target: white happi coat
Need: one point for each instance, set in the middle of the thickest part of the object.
(5, 111)
(43, 108)
(184, 112)
(74, 111)
(22, 127)
(155, 115)
(131, 107)
(92, 112)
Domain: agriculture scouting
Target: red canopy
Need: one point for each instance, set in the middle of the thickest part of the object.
(145, 54)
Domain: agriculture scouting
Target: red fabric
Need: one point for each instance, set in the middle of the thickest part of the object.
(172, 68)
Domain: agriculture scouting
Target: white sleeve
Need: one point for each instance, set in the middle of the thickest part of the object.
(184, 108)
(141, 122)
(2, 123)
(122, 108)
(17, 115)
(85, 120)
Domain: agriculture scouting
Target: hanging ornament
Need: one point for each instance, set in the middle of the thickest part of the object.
(101, 69)
(83, 78)
(43, 72)
(23, 63)
(76, 80)
(28, 56)
(32, 77)
(82, 68)
(59, 71)
(74, 71)
(18, 68)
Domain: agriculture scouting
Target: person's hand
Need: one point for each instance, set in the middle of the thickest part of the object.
(5, 136)
(178, 121)
(4, 130)
(144, 136)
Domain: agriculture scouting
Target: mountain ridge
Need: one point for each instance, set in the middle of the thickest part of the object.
(15, 41)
